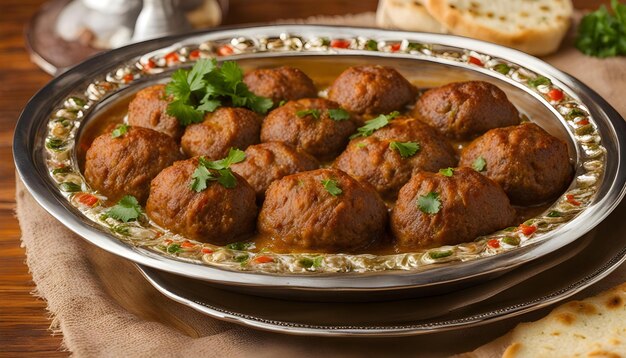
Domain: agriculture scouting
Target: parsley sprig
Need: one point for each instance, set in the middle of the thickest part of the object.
(127, 209)
(332, 187)
(374, 124)
(603, 34)
(429, 203)
(406, 149)
(207, 86)
(221, 171)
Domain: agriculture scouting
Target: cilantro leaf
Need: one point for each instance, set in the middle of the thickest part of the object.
(224, 176)
(601, 34)
(186, 114)
(315, 113)
(174, 249)
(206, 87)
(406, 149)
(311, 262)
(332, 186)
(447, 172)
(338, 114)
(240, 245)
(479, 164)
(503, 68)
(429, 203)
(439, 254)
(539, 81)
(126, 209)
(374, 124)
(119, 130)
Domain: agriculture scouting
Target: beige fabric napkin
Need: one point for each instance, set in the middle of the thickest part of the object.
(104, 307)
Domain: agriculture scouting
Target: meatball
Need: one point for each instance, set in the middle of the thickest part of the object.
(217, 215)
(300, 213)
(280, 84)
(471, 205)
(465, 110)
(148, 109)
(271, 161)
(378, 161)
(531, 165)
(221, 130)
(371, 90)
(125, 165)
(307, 124)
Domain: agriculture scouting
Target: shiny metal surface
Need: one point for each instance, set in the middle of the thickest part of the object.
(543, 282)
(30, 137)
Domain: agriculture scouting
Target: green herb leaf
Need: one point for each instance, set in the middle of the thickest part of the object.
(70, 187)
(539, 81)
(242, 259)
(575, 113)
(555, 214)
(55, 144)
(406, 149)
(338, 114)
(371, 45)
(174, 249)
(374, 124)
(510, 240)
(479, 164)
(603, 34)
(332, 187)
(315, 113)
(361, 144)
(63, 170)
(503, 68)
(281, 103)
(439, 254)
(311, 262)
(206, 87)
(125, 210)
(240, 246)
(447, 172)
(429, 203)
(119, 130)
(224, 176)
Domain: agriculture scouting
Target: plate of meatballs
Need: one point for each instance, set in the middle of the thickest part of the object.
(300, 158)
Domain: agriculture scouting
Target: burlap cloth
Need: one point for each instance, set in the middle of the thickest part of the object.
(104, 307)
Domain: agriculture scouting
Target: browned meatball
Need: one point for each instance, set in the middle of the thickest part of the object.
(148, 109)
(377, 161)
(371, 90)
(300, 214)
(221, 130)
(217, 215)
(531, 165)
(464, 110)
(280, 84)
(471, 205)
(321, 137)
(271, 161)
(125, 165)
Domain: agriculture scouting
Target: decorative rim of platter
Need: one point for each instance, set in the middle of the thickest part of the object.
(65, 121)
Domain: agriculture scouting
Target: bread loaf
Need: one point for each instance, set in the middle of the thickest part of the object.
(406, 15)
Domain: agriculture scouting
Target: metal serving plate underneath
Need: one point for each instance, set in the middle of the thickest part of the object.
(545, 281)
(103, 78)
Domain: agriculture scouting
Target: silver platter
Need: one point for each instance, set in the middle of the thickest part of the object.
(545, 281)
(72, 99)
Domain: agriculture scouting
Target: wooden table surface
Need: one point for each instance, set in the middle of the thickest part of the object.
(24, 324)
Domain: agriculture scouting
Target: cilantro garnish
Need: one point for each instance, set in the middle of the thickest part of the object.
(70, 187)
(429, 203)
(361, 144)
(538, 81)
(554, 214)
(224, 176)
(315, 113)
(338, 114)
(503, 68)
(332, 187)
(406, 149)
(374, 124)
(207, 86)
(119, 130)
(510, 240)
(603, 34)
(447, 172)
(127, 209)
(439, 254)
(311, 262)
(174, 249)
(240, 246)
(479, 164)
